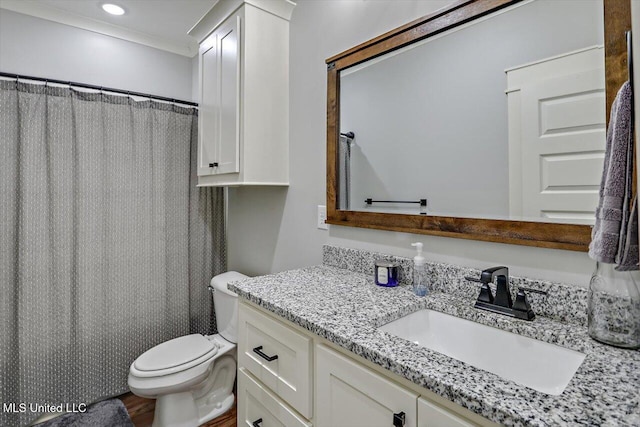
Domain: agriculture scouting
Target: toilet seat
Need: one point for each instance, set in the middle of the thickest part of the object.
(174, 356)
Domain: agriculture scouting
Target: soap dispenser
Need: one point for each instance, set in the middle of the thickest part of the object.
(419, 272)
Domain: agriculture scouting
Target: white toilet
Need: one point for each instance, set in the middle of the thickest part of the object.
(192, 376)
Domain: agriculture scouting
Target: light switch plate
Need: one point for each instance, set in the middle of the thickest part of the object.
(322, 218)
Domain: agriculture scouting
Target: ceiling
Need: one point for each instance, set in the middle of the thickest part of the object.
(162, 24)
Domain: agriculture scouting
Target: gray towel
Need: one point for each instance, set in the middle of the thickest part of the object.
(628, 256)
(614, 239)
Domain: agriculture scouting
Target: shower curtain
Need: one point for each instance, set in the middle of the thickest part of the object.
(107, 246)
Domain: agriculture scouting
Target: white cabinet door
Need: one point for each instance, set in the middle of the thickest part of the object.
(219, 117)
(258, 406)
(229, 48)
(348, 394)
(431, 415)
(207, 114)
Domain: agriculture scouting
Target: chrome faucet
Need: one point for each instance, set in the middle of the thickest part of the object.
(502, 302)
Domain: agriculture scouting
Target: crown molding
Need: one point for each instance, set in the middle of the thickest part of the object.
(224, 8)
(43, 11)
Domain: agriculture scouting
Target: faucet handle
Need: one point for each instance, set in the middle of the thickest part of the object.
(531, 290)
(522, 304)
(485, 291)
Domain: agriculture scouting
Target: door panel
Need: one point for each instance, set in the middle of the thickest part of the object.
(563, 141)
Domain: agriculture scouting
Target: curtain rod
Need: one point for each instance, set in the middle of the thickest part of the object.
(100, 88)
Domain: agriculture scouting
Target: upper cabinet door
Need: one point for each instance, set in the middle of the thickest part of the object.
(229, 81)
(207, 115)
(219, 147)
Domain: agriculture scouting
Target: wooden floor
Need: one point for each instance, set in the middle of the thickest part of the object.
(141, 412)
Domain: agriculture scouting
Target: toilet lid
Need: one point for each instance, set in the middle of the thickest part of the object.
(176, 352)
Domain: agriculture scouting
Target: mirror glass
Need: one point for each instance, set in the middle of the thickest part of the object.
(500, 118)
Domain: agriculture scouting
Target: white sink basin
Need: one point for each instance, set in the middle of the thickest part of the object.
(536, 364)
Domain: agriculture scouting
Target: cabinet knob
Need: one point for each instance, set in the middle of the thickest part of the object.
(399, 419)
(213, 165)
(257, 422)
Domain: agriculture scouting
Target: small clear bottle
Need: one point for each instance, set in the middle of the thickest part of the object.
(419, 272)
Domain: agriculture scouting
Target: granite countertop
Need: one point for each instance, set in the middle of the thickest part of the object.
(346, 308)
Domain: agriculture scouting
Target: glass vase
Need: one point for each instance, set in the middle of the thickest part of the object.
(614, 306)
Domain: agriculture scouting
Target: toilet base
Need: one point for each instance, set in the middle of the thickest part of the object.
(180, 410)
(177, 409)
(201, 403)
(219, 409)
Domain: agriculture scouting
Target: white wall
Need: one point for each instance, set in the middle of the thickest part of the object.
(273, 229)
(41, 48)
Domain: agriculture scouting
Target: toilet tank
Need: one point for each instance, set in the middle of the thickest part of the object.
(226, 305)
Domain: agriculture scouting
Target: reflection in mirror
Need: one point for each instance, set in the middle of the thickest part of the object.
(500, 118)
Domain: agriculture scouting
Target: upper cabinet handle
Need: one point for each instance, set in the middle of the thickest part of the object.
(258, 351)
(257, 422)
(213, 165)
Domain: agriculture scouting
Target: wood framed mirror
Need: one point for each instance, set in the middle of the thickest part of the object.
(539, 232)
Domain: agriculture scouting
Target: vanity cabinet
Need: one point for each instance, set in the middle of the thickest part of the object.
(312, 382)
(243, 123)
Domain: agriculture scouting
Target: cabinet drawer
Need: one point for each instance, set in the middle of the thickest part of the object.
(256, 402)
(278, 356)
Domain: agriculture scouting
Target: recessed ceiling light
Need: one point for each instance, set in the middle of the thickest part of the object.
(113, 9)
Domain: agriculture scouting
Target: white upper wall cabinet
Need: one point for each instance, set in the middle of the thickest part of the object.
(243, 131)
